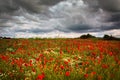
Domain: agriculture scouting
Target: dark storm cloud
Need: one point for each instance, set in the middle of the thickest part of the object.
(79, 28)
(113, 9)
(36, 30)
(30, 5)
(114, 17)
(4, 17)
(92, 3)
(104, 28)
(110, 5)
(7, 6)
(80, 19)
(87, 28)
(49, 2)
(117, 24)
(3, 22)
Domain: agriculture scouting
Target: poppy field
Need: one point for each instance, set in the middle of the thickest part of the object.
(59, 59)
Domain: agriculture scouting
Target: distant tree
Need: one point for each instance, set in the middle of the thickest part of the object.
(87, 36)
(5, 38)
(107, 37)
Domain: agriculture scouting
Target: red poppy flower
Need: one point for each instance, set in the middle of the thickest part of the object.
(40, 77)
(62, 67)
(105, 66)
(67, 73)
(86, 75)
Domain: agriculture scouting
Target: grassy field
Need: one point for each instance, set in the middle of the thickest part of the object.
(59, 59)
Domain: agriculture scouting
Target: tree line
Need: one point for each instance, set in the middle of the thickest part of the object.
(85, 36)
(105, 37)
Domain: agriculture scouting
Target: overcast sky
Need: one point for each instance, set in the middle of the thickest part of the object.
(59, 18)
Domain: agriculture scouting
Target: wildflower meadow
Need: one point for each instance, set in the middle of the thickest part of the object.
(59, 59)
